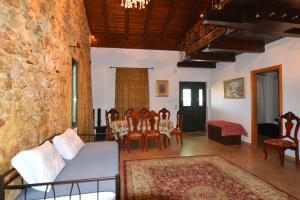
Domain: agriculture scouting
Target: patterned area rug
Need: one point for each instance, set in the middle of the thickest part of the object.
(195, 178)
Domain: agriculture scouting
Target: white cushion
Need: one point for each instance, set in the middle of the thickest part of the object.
(39, 165)
(68, 144)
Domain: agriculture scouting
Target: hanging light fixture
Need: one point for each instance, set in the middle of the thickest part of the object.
(218, 4)
(135, 3)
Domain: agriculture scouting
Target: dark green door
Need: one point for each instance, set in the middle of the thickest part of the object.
(193, 104)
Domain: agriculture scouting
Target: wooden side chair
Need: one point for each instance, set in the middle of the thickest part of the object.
(152, 129)
(178, 130)
(144, 111)
(164, 114)
(130, 110)
(287, 141)
(110, 116)
(135, 123)
(113, 114)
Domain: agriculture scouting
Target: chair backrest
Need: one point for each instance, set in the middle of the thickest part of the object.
(144, 111)
(111, 115)
(127, 112)
(135, 122)
(179, 120)
(289, 121)
(164, 114)
(152, 121)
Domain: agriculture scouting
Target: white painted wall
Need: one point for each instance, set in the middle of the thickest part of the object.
(286, 52)
(165, 68)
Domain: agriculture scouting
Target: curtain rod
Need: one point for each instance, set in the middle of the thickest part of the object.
(129, 67)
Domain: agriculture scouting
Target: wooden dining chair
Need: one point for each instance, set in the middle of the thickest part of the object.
(110, 116)
(164, 114)
(144, 111)
(178, 129)
(113, 114)
(287, 141)
(130, 110)
(152, 129)
(135, 123)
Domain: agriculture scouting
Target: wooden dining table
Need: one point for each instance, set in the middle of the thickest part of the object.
(120, 128)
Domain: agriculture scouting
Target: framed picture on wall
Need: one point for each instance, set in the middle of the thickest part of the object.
(234, 89)
(162, 88)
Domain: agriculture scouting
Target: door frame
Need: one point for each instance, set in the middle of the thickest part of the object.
(275, 68)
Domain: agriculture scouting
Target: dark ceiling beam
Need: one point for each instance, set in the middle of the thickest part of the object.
(238, 46)
(170, 16)
(134, 42)
(214, 57)
(137, 45)
(105, 17)
(190, 20)
(230, 15)
(252, 16)
(196, 64)
(126, 23)
(148, 19)
(273, 23)
(248, 11)
(279, 29)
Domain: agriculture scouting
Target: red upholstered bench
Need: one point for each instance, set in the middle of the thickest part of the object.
(225, 132)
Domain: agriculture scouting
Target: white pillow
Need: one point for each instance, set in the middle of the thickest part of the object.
(39, 165)
(68, 144)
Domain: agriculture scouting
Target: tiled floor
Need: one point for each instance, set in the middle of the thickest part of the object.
(250, 158)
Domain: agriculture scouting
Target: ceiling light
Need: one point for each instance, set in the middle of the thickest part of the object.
(218, 4)
(272, 14)
(283, 15)
(135, 3)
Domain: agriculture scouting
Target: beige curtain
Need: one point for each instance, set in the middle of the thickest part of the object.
(85, 122)
(132, 89)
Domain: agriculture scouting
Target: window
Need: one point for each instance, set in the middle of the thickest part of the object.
(74, 92)
(187, 97)
(200, 97)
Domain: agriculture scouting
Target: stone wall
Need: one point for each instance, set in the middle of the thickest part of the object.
(36, 71)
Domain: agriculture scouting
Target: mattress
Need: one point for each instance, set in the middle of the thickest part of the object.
(94, 160)
(89, 196)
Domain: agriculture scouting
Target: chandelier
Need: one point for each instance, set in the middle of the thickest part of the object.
(218, 4)
(134, 3)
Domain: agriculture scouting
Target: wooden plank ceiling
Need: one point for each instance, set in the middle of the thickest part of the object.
(163, 25)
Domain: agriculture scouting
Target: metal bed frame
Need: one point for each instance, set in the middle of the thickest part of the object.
(10, 175)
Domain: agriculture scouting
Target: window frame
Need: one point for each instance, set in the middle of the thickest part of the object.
(190, 97)
(75, 65)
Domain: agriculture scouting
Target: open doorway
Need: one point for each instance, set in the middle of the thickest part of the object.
(266, 103)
